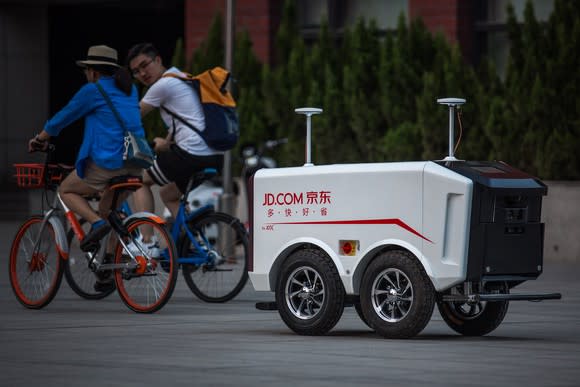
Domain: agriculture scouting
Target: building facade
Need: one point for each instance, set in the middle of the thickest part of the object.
(477, 26)
(41, 39)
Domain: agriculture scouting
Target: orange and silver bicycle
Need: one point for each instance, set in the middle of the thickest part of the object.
(40, 248)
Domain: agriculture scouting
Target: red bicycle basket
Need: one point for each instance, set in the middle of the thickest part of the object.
(32, 175)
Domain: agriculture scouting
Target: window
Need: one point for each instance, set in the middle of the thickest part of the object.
(492, 26)
(384, 12)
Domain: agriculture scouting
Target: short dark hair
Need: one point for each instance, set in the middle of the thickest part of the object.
(142, 48)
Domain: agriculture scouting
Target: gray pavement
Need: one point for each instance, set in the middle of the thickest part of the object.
(75, 342)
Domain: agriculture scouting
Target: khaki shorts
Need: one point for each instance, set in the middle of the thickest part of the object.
(98, 178)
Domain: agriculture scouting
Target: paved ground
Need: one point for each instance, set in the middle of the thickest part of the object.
(74, 342)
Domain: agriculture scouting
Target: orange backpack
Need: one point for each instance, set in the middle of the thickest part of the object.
(221, 120)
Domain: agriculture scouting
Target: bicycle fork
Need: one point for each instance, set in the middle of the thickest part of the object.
(58, 228)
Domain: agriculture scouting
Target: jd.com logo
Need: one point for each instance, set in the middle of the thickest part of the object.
(296, 198)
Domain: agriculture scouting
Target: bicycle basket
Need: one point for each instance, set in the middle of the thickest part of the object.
(33, 175)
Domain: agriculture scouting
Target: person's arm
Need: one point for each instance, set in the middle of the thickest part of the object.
(43, 136)
(159, 144)
(153, 99)
(79, 106)
(145, 108)
(39, 142)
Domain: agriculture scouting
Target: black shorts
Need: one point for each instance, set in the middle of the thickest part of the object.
(177, 165)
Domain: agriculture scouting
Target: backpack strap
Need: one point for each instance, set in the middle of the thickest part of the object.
(112, 107)
(188, 77)
(182, 120)
(189, 80)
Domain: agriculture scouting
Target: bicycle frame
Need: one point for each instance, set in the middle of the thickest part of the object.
(61, 240)
(58, 226)
(37, 267)
(203, 254)
(62, 243)
(181, 221)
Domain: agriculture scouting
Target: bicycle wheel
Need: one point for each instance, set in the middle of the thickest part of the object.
(35, 272)
(146, 282)
(77, 272)
(225, 273)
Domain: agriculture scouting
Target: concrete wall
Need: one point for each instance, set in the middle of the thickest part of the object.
(561, 213)
(23, 82)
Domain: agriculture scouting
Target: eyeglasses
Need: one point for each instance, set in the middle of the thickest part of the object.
(136, 71)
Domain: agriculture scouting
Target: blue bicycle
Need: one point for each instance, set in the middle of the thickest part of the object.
(212, 248)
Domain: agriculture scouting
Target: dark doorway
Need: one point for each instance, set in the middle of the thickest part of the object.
(121, 24)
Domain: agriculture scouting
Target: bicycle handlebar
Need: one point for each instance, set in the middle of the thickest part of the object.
(39, 146)
(274, 143)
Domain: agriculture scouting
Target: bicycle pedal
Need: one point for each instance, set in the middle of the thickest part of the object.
(90, 247)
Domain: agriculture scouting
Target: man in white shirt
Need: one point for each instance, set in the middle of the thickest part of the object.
(182, 152)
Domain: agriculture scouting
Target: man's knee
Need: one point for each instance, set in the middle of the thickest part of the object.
(71, 186)
(147, 180)
(65, 186)
(169, 193)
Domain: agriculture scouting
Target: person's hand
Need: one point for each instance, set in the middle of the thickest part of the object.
(35, 144)
(160, 144)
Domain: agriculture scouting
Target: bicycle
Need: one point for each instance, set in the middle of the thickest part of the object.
(40, 249)
(212, 246)
(78, 270)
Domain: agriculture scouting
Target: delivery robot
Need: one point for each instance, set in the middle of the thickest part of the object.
(394, 239)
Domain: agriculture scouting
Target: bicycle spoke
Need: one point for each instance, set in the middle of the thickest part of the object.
(223, 273)
(148, 284)
(35, 271)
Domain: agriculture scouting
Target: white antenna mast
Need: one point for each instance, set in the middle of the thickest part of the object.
(452, 103)
(308, 112)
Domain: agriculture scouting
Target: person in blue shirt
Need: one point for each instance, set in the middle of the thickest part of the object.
(100, 157)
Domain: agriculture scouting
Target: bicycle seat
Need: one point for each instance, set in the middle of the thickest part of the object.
(127, 182)
(66, 167)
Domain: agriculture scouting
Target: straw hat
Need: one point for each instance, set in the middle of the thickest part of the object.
(100, 55)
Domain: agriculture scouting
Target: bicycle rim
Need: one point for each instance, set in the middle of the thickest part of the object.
(148, 285)
(222, 279)
(79, 276)
(35, 273)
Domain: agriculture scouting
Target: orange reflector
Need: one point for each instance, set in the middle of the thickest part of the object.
(348, 247)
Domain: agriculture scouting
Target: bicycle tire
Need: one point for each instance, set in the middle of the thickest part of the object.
(224, 281)
(35, 276)
(79, 276)
(147, 287)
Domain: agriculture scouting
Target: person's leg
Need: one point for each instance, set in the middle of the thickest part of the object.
(143, 201)
(71, 190)
(143, 197)
(170, 196)
(181, 174)
(105, 204)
